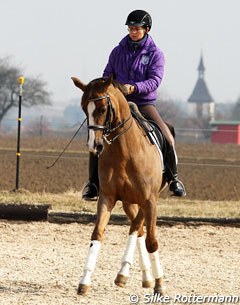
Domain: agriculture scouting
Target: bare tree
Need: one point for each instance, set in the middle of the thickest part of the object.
(34, 89)
(38, 127)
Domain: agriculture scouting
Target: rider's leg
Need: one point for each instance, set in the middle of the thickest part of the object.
(150, 112)
(90, 191)
(176, 186)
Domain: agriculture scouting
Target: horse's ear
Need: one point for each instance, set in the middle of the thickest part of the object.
(78, 83)
(109, 80)
(111, 77)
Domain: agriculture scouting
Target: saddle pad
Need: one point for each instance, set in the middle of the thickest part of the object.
(153, 132)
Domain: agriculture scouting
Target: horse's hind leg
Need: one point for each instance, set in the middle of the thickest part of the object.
(136, 236)
(150, 216)
(103, 214)
(144, 263)
(144, 260)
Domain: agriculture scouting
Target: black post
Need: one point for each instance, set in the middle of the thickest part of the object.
(20, 81)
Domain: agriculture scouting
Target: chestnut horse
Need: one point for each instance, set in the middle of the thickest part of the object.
(130, 170)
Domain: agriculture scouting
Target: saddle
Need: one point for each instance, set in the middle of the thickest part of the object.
(152, 130)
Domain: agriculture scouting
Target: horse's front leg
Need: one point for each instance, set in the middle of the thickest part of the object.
(104, 209)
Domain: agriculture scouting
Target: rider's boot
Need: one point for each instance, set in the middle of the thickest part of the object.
(90, 191)
(175, 185)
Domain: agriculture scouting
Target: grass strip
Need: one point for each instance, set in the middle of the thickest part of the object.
(71, 201)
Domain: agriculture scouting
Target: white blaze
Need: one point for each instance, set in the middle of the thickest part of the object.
(91, 138)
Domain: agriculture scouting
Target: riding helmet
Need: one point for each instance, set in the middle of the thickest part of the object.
(139, 18)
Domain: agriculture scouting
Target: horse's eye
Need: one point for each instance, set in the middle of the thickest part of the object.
(103, 110)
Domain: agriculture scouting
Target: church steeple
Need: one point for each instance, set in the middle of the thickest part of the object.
(201, 94)
(201, 68)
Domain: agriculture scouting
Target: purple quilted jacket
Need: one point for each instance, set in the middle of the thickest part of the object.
(142, 67)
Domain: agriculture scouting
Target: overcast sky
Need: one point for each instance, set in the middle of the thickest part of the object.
(60, 38)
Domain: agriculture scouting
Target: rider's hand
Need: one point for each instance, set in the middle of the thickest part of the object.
(129, 89)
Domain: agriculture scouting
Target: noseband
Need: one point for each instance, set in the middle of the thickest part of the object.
(107, 128)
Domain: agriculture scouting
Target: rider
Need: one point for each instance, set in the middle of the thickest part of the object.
(139, 64)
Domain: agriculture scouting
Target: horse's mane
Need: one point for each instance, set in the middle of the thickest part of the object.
(98, 84)
(120, 86)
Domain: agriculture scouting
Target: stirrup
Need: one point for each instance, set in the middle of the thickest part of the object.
(90, 192)
(179, 192)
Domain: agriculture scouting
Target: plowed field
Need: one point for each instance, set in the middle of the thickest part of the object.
(209, 172)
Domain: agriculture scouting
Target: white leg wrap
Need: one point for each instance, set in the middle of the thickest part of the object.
(129, 252)
(127, 259)
(86, 278)
(144, 261)
(125, 268)
(147, 275)
(90, 262)
(157, 269)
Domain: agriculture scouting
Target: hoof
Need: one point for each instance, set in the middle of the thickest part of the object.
(161, 290)
(83, 289)
(159, 287)
(121, 280)
(147, 284)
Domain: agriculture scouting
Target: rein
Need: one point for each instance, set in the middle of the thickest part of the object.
(107, 128)
(59, 156)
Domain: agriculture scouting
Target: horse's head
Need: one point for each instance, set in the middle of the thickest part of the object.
(99, 110)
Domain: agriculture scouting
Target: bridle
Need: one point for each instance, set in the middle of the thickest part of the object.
(107, 129)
